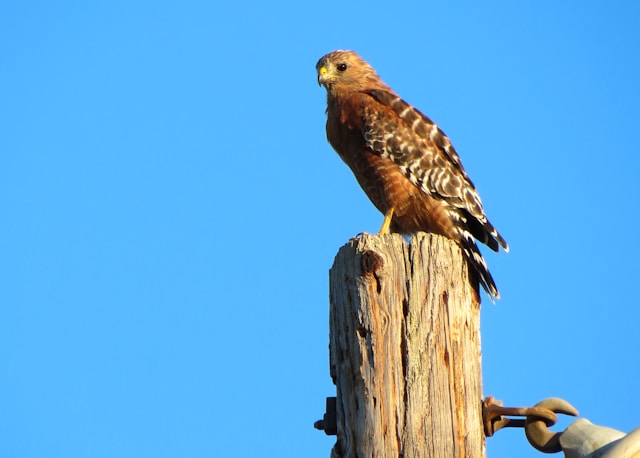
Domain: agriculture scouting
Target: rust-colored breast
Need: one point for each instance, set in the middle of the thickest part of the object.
(380, 178)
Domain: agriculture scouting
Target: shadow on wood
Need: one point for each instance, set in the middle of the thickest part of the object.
(405, 349)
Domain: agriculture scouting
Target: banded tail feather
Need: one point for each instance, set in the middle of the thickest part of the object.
(476, 261)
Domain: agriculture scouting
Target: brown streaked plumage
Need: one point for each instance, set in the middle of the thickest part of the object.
(404, 163)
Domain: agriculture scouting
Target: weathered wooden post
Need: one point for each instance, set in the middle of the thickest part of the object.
(405, 349)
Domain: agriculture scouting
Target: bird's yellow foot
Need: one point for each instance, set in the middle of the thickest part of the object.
(386, 224)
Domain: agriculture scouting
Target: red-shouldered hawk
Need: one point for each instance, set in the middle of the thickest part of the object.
(403, 161)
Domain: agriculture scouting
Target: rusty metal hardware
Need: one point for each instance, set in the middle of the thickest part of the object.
(494, 416)
(536, 422)
(537, 430)
(328, 424)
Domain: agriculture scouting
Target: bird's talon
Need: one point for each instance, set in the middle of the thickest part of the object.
(359, 235)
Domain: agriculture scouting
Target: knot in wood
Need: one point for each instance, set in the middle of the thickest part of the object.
(371, 262)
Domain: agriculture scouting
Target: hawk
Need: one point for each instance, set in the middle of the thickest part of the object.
(403, 161)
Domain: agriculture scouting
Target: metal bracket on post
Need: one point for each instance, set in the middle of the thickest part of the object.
(536, 422)
(328, 424)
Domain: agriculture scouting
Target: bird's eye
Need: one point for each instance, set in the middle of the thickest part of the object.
(341, 67)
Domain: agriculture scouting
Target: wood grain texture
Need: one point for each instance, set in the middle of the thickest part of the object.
(405, 349)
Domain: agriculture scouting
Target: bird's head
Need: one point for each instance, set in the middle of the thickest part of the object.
(345, 70)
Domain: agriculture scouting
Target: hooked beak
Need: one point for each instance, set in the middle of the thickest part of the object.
(322, 75)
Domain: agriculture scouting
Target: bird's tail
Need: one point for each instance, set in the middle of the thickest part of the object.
(483, 230)
(476, 261)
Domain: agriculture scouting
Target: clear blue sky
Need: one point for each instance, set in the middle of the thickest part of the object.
(170, 209)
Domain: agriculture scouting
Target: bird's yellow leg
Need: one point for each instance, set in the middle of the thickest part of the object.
(386, 224)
